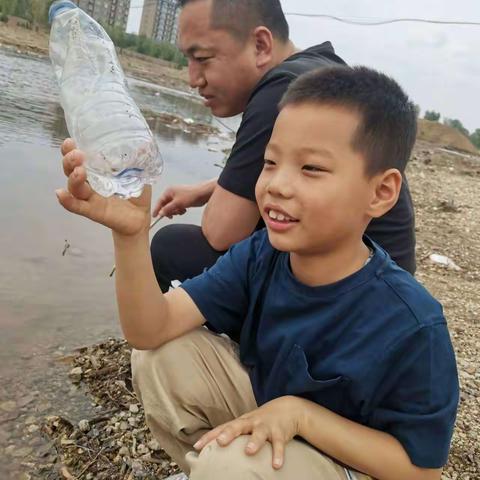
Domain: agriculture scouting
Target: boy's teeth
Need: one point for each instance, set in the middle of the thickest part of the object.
(280, 217)
(272, 214)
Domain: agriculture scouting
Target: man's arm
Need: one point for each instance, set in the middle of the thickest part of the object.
(228, 218)
(373, 452)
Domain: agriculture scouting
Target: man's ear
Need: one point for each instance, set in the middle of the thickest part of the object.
(387, 186)
(263, 46)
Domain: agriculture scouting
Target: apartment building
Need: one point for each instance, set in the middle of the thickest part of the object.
(160, 20)
(112, 13)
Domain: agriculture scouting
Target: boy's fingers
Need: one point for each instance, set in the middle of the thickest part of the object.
(257, 440)
(72, 204)
(72, 159)
(67, 145)
(278, 448)
(207, 438)
(77, 184)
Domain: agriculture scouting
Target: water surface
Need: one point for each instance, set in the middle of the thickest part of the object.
(49, 303)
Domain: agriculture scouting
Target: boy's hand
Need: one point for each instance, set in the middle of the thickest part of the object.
(277, 422)
(124, 217)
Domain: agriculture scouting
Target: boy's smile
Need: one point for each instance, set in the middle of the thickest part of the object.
(278, 219)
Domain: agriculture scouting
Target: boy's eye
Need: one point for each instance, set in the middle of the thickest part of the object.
(313, 168)
(268, 162)
(202, 59)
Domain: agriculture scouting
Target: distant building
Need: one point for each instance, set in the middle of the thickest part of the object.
(111, 13)
(160, 20)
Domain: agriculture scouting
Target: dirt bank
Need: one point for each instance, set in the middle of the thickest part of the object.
(139, 66)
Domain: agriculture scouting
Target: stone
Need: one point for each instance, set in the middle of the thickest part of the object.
(33, 428)
(124, 452)
(75, 374)
(134, 408)
(142, 449)
(30, 420)
(22, 452)
(154, 445)
(8, 406)
(84, 426)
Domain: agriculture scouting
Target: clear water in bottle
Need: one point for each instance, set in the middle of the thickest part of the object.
(121, 153)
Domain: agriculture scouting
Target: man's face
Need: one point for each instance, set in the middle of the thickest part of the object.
(313, 192)
(222, 68)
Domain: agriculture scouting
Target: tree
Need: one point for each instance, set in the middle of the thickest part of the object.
(475, 138)
(432, 116)
(457, 124)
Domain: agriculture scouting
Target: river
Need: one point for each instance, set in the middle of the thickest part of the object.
(52, 303)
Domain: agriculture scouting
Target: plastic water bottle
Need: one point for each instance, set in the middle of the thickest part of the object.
(121, 153)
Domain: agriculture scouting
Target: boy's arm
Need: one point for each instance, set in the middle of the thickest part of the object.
(373, 452)
(148, 318)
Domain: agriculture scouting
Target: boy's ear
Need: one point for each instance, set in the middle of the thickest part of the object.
(263, 46)
(387, 187)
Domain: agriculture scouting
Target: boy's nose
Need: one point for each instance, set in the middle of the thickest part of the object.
(281, 185)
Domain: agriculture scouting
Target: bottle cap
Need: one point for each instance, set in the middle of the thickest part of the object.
(58, 7)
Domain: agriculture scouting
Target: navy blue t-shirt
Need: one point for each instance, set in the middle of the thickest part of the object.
(374, 347)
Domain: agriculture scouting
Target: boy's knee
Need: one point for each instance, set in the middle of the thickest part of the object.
(216, 462)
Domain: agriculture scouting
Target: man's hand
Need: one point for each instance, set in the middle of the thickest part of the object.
(277, 422)
(124, 217)
(177, 199)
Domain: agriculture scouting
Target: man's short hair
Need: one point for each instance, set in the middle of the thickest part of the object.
(388, 126)
(240, 17)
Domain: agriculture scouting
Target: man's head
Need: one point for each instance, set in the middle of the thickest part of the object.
(230, 45)
(335, 160)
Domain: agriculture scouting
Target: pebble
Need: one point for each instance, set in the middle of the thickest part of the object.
(154, 445)
(22, 452)
(84, 426)
(75, 374)
(134, 408)
(30, 420)
(142, 449)
(124, 452)
(8, 406)
(33, 428)
(123, 426)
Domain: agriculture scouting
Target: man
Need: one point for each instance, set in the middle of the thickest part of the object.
(241, 60)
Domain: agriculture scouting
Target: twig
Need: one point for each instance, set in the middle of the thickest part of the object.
(151, 226)
(90, 464)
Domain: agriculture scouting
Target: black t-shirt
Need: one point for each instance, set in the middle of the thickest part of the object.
(395, 231)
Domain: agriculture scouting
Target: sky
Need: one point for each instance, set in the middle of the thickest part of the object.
(438, 65)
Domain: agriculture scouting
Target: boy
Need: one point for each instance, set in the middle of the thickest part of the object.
(338, 346)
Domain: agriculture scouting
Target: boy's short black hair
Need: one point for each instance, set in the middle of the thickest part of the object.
(388, 127)
(240, 17)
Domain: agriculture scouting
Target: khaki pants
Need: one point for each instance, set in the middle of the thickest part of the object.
(195, 383)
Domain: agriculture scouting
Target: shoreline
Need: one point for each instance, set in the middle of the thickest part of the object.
(142, 67)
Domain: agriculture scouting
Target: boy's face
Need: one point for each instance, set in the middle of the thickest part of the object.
(313, 192)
